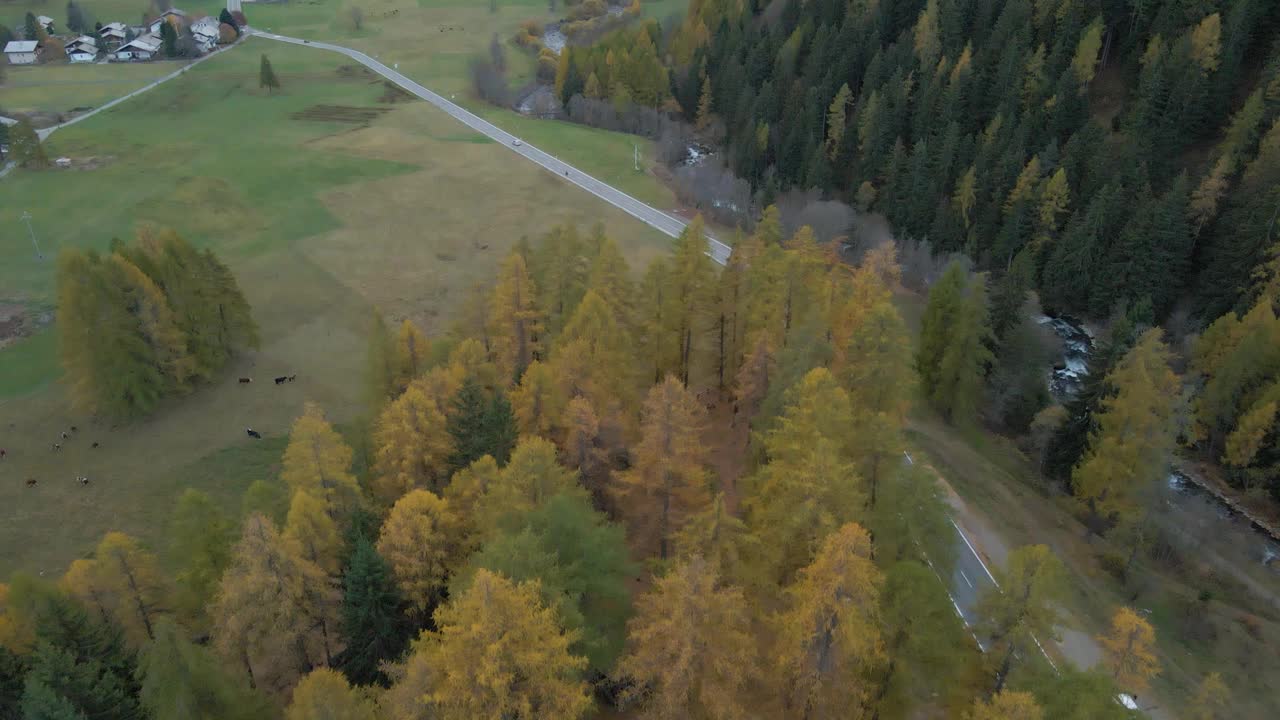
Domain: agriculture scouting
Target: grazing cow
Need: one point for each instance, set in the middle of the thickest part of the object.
(31, 482)
(65, 435)
(82, 480)
(245, 380)
(292, 378)
(74, 428)
(253, 433)
(3, 452)
(57, 447)
(94, 445)
(282, 379)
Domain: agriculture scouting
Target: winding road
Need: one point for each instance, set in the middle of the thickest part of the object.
(647, 214)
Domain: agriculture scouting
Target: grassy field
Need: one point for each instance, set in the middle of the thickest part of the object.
(321, 221)
(63, 88)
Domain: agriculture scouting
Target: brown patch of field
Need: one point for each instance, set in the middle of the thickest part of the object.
(339, 113)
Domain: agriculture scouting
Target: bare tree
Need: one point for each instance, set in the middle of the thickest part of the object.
(716, 192)
(356, 15)
(497, 54)
(489, 83)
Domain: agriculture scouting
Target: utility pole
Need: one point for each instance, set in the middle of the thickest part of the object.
(636, 156)
(27, 217)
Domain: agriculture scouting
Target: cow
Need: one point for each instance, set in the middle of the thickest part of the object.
(292, 378)
(246, 380)
(3, 452)
(253, 433)
(74, 428)
(65, 435)
(31, 482)
(57, 447)
(82, 480)
(282, 379)
(94, 445)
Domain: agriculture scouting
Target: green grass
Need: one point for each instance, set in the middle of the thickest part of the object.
(320, 221)
(64, 87)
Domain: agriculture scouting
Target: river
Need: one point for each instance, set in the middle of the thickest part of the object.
(1198, 520)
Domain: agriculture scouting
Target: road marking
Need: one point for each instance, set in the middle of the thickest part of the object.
(966, 578)
(975, 552)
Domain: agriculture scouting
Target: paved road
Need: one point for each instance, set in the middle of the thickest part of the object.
(647, 214)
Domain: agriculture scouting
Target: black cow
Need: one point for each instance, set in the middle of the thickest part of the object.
(82, 480)
(246, 380)
(253, 433)
(282, 379)
(31, 482)
(94, 445)
(292, 378)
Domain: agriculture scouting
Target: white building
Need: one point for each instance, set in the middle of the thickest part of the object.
(141, 48)
(21, 52)
(82, 50)
(45, 22)
(173, 16)
(113, 34)
(205, 31)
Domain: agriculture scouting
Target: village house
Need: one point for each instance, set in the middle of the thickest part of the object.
(45, 22)
(141, 48)
(83, 49)
(205, 31)
(173, 16)
(113, 35)
(21, 52)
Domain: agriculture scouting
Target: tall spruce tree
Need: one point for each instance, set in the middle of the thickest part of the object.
(374, 622)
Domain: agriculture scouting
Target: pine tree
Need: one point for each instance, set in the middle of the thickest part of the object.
(373, 619)
(169, 44)
(266, 75)
(318, 461)
(420, 543)
(80, 667)
(324, 693)
(953, 351)
(1135, 434)
(945, 298)
(692, 651)
(836, 120)
(668, 479)
(829, 636)
(582, 564)
(181, 679)
(514, 321)
(480, 426)
(1023, 606)
(703, 118)
(498, 652)
(1129, 650)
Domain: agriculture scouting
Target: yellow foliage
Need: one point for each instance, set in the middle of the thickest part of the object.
(318, 461)
(499, 653)
(419, 540)
(411, 354)
(829, 637)
(514, 320)
(313, 532)
(411, 440)
(134, 589)
(692, 650)
(1129, 650)
(324, 694)
(1007, 705)
(668, 479)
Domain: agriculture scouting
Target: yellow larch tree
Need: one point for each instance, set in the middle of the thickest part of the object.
(1135, 432)
(691, 648)
(499, 653)
(135, 590)
(829, 636)
(730, 313)
(1129, 650)
(317, 460)
(610, 278)
(83, 581)
(719, 537)
(668, 480)
(419, 540)
(16, 634)
(1006, 705)
(313, 532)
(275, 614)
(469, 360)
(688, 301)
(752, 382)
(539, 402)
(324, 694)
(1211, 701)
(411, 352)
(515, 325)
(584, 453)
(411, 443)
